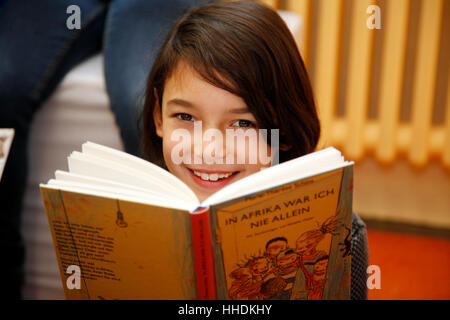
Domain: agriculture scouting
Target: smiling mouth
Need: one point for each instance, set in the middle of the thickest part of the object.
(212, 179)
(213, 176)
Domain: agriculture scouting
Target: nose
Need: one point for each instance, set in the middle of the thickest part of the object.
(216, 145)
(209, 144)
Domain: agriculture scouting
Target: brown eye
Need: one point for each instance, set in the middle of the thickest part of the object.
(243, 123)
(184, 116)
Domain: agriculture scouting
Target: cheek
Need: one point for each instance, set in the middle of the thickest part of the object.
(175, 142)
(257, 156)
(167, 149)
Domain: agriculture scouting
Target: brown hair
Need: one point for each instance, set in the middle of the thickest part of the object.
(243, 47)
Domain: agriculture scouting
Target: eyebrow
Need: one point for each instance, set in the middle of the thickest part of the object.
(180, 102)
(240, 110)
(185, 103)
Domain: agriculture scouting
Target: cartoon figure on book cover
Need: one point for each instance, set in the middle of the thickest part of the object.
(313, 263)
(249, 279)
(244, 286)
(318, 278)
(274, 247)
(282, 277)
(285, 273)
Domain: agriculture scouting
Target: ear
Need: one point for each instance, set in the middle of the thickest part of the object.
(157, 115)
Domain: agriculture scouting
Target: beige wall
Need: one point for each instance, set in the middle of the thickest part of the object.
(402, 193)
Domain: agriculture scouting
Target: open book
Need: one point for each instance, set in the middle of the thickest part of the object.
(124, 228)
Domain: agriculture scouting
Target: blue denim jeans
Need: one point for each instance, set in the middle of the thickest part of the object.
(37, 49)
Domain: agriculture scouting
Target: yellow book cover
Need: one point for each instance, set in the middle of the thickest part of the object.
(125, 229)
(290, 242)
(121, 249)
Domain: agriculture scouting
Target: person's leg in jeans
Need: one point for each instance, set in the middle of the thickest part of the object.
(135, 30)
(36, 51)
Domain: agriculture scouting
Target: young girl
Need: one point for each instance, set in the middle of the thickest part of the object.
(228, 65)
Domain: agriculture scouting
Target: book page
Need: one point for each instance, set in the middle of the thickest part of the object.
(138, 164)
(117, 193)
(123, 249)
(67, 179)
(73, 177)
(92, 166)
(277, 244)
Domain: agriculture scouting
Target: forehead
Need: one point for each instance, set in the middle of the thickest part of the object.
(185, 83)
(181, 75)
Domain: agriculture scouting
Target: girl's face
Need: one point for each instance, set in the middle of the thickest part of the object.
(188, 100)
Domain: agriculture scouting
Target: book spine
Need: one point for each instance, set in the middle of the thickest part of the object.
(203, 254)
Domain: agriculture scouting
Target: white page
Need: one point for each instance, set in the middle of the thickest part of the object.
(152, 179)
(135, 163)
(68, 176)
(112, 193)
(63, 178)
(99, 168)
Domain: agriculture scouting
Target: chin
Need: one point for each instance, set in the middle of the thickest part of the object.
(202, 195)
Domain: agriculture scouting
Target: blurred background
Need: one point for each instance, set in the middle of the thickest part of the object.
(383, 100)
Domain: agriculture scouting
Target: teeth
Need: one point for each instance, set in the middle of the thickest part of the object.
(212, 176)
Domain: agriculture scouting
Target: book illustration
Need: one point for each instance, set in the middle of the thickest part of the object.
(272, 275)
(120, 221)
(279, 243)
(347, 244)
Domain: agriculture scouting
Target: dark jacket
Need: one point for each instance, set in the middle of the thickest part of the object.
(360, 259)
